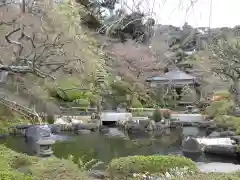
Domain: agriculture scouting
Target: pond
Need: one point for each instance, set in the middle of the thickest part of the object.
(105, 147)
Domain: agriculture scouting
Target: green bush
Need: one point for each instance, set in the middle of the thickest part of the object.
(33, 168)
(12, 175)
(70, 95)
(136, 103)
(226, 122)
(157, 116)
(82, 102)
(219, 108)
(224, 94)
(121, 87)
(126, 166)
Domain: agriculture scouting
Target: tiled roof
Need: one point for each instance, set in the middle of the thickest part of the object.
(172, 75)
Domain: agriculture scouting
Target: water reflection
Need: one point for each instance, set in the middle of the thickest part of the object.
(115, 143)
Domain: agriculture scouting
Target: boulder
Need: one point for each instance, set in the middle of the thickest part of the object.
(83, 131)
(175, 124)
(206, 124)
(236, 139)
(222, 134)
(211, 129)
(87, 126)
(136, 128)
(226, 150)
(214, 134)
(227, 133)
(191, 148)
(151, 126)
(55, 128)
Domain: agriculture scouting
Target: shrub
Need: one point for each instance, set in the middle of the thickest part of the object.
(157, 116)
(136, 103)
(228, 122)
(11, 175)
(85, 166)
(82, 102)
(219, 108)
(12, 163)
(219, 95)
(126, 166)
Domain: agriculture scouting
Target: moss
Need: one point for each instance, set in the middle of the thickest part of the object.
(15, 165)
(126, 166)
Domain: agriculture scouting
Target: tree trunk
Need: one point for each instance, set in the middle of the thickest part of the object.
(237, 91)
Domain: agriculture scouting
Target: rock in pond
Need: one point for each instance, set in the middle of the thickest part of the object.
(236, 139)
(226, 150)
(191, 148)
(206, 124)
(88, 126)
(218, 167)
(136, 128)
(83, 131)
(54, 128)
(176, 124)
(227, 133)
(216, 134)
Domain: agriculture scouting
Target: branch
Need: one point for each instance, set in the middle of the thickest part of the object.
(16, 69)
(18, 44)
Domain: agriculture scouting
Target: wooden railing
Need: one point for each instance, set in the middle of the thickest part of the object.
(19, 108)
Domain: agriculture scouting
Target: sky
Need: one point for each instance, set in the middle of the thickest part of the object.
(224, 13)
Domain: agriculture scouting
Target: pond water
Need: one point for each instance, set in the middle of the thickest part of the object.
(105, 147)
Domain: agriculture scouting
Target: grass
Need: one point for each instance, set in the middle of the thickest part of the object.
(15, 165)
(9, 118)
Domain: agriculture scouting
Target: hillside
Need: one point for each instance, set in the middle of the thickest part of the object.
(69, 53)
(65, 55)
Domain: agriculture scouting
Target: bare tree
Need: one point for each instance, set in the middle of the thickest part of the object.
(134, 58)
(225, 61)
(36, 49)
